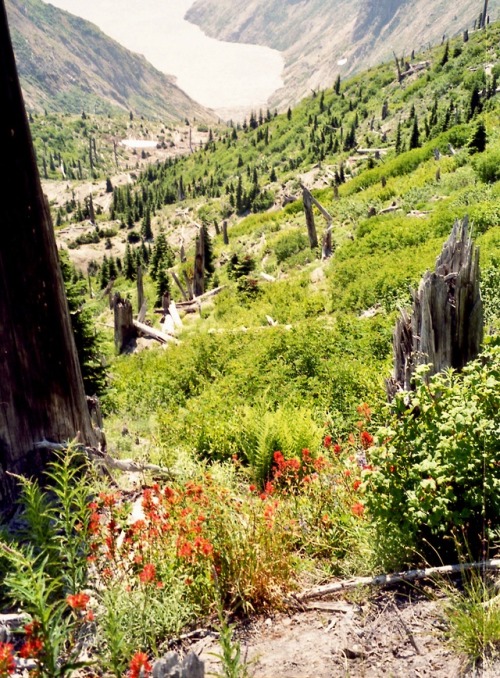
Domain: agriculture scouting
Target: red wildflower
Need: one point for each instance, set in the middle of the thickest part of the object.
(148, 574)
(252, 488)
(337, 449)
(7, 663)
(356, 485)
(364, 410)
(78, 601)
(392, 468)
(366, 439)
(358, 509)
(31, 648)
(108, 499)
(139, 665)
(327, 441)
(184, 550)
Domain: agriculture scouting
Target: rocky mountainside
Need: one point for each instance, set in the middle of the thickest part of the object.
(322, 39)
(67, 64)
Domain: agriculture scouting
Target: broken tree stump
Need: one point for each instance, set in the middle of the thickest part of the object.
(125, 332)
(445, 328)
(308, 209)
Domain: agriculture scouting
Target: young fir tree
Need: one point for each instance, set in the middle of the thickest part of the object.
(87, 340)
(146, 230)
(479, 139)
(415, 135)
(162, 285)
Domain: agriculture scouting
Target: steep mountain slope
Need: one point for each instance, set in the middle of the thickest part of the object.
(68, 64)
(316, 35)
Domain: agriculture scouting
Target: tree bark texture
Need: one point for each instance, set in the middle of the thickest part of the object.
(445, 328)
(41, 387)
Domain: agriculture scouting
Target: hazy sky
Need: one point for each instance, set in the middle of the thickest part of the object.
(217, 74)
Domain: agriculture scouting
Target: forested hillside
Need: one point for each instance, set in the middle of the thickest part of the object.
(251, 442)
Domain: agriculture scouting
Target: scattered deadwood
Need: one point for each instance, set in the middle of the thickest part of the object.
(391, 208)
(410, 69)
(445, 328)
(309, 201)
(396, 578)
(206, 295)
(369, 151)
(102, 458)
(162, 337)
(185, 295)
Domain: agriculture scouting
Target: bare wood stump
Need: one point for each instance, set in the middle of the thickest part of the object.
(445, 328)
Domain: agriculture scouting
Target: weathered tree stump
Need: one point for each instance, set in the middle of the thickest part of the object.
(125, 332)
(445, 328)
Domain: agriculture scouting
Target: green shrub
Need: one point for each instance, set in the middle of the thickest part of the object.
(436, 477)
(289, 244)
(487, 165)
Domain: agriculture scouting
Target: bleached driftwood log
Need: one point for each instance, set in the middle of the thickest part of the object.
(445, 328)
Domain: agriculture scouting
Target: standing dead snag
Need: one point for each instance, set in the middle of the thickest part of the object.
(309, 201)
(125, 332)
(41, 387)
(199, 264)
(445, 328)
(311, 226)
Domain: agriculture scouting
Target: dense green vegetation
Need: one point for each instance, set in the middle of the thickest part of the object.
(270, 413)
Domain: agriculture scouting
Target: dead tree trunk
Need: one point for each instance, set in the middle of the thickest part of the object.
(199, 264)
(41, 388)
(225, 237)
(445, 328)
(327, 249)
(125, 332)
(140, 289)
(311, 226)
(484, 14)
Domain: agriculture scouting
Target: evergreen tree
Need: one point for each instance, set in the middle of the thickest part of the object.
(479, 139)
(87, 339)
(415, 135)
(474, 103)
(146, 230)
(129, 270)
(446, 54)
(162, 285)
(398, 139)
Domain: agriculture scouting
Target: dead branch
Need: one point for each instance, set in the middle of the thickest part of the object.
(104, 459)
(396, 578)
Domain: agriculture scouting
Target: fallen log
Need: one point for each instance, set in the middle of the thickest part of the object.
(162, 337)
(396, 578)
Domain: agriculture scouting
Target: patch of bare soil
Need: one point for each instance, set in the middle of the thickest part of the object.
(392, 636)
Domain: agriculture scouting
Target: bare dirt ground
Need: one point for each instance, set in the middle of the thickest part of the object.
(388, 637)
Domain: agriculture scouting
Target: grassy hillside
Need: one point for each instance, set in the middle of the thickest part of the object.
(280, 464)
(68, 64)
